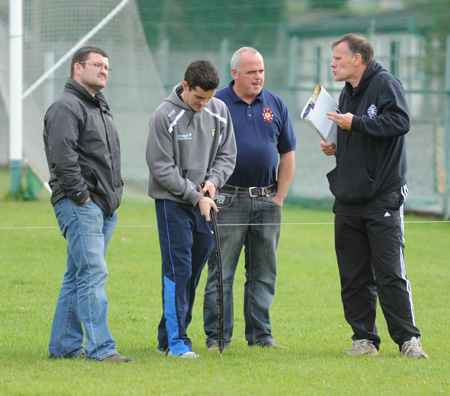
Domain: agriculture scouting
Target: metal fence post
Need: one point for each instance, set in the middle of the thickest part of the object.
(293, 48)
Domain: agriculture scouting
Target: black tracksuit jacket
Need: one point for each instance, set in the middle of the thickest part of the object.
(371, 157)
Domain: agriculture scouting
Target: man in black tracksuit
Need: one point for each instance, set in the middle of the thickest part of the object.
(369, 184)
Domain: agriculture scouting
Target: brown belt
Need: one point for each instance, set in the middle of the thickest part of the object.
(252, 192)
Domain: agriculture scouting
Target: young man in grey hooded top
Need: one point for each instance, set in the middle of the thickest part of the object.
(191, 150)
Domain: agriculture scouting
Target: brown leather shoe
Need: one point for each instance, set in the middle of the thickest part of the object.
(215, 347)
(271, 344)
(117, 359)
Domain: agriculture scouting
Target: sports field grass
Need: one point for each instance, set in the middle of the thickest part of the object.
(306, 315)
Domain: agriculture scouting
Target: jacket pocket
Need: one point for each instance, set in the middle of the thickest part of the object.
(94, 184)
(352, 184)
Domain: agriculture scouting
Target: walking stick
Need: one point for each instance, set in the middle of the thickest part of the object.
(218, 257)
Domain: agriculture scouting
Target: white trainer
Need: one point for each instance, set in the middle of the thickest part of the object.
(413, 348)
(188, 355)
(362, 347)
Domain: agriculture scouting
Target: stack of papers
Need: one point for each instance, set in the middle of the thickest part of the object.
(315, 114)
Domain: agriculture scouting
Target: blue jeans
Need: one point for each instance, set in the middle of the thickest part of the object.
(255, 224)
(82, 298)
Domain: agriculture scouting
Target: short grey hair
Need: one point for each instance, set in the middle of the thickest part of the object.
(236, 58)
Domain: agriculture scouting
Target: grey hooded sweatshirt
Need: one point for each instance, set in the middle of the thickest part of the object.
(187, 147)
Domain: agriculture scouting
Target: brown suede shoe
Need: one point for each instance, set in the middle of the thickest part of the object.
(271, 344)
(117, 359)
(215, 347)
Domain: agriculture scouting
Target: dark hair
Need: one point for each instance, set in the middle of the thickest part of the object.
(203, 74)
(357, 44)
(83, 53)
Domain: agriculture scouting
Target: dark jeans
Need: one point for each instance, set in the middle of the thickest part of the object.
(252, 223)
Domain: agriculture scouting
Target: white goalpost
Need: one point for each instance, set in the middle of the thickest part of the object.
(15, 94)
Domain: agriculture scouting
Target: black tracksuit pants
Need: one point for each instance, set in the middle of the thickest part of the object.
(369, 243)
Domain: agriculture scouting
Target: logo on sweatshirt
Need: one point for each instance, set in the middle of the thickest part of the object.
(185, 136)
(213, 132)
(267, 114)
(372, 111)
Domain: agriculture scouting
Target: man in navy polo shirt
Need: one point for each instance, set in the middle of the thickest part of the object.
(251, 200)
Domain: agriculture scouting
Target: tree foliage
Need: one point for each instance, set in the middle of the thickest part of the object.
(203, 23)
(433, 18)
(328, 4)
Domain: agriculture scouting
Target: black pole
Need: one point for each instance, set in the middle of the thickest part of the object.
(218, 256)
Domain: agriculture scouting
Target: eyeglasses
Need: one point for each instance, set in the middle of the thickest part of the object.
(97, 65)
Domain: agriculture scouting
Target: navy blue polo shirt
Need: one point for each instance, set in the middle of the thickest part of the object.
(263, 130)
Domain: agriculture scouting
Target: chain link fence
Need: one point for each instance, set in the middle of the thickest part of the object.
(150, 44)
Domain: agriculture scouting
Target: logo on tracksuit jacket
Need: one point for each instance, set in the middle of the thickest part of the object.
(372, 111)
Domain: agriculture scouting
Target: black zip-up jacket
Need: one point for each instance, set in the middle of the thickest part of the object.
(371, 157)
(82, 149)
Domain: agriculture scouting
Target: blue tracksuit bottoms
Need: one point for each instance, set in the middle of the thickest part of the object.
(186, 240)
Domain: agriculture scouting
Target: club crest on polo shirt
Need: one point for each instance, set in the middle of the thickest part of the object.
(213, 132)
(372, 111)
(267, 114)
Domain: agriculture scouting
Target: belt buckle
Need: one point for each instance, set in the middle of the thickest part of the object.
(263, 192)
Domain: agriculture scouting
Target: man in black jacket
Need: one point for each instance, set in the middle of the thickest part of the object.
(83, 155)
(369, 184)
